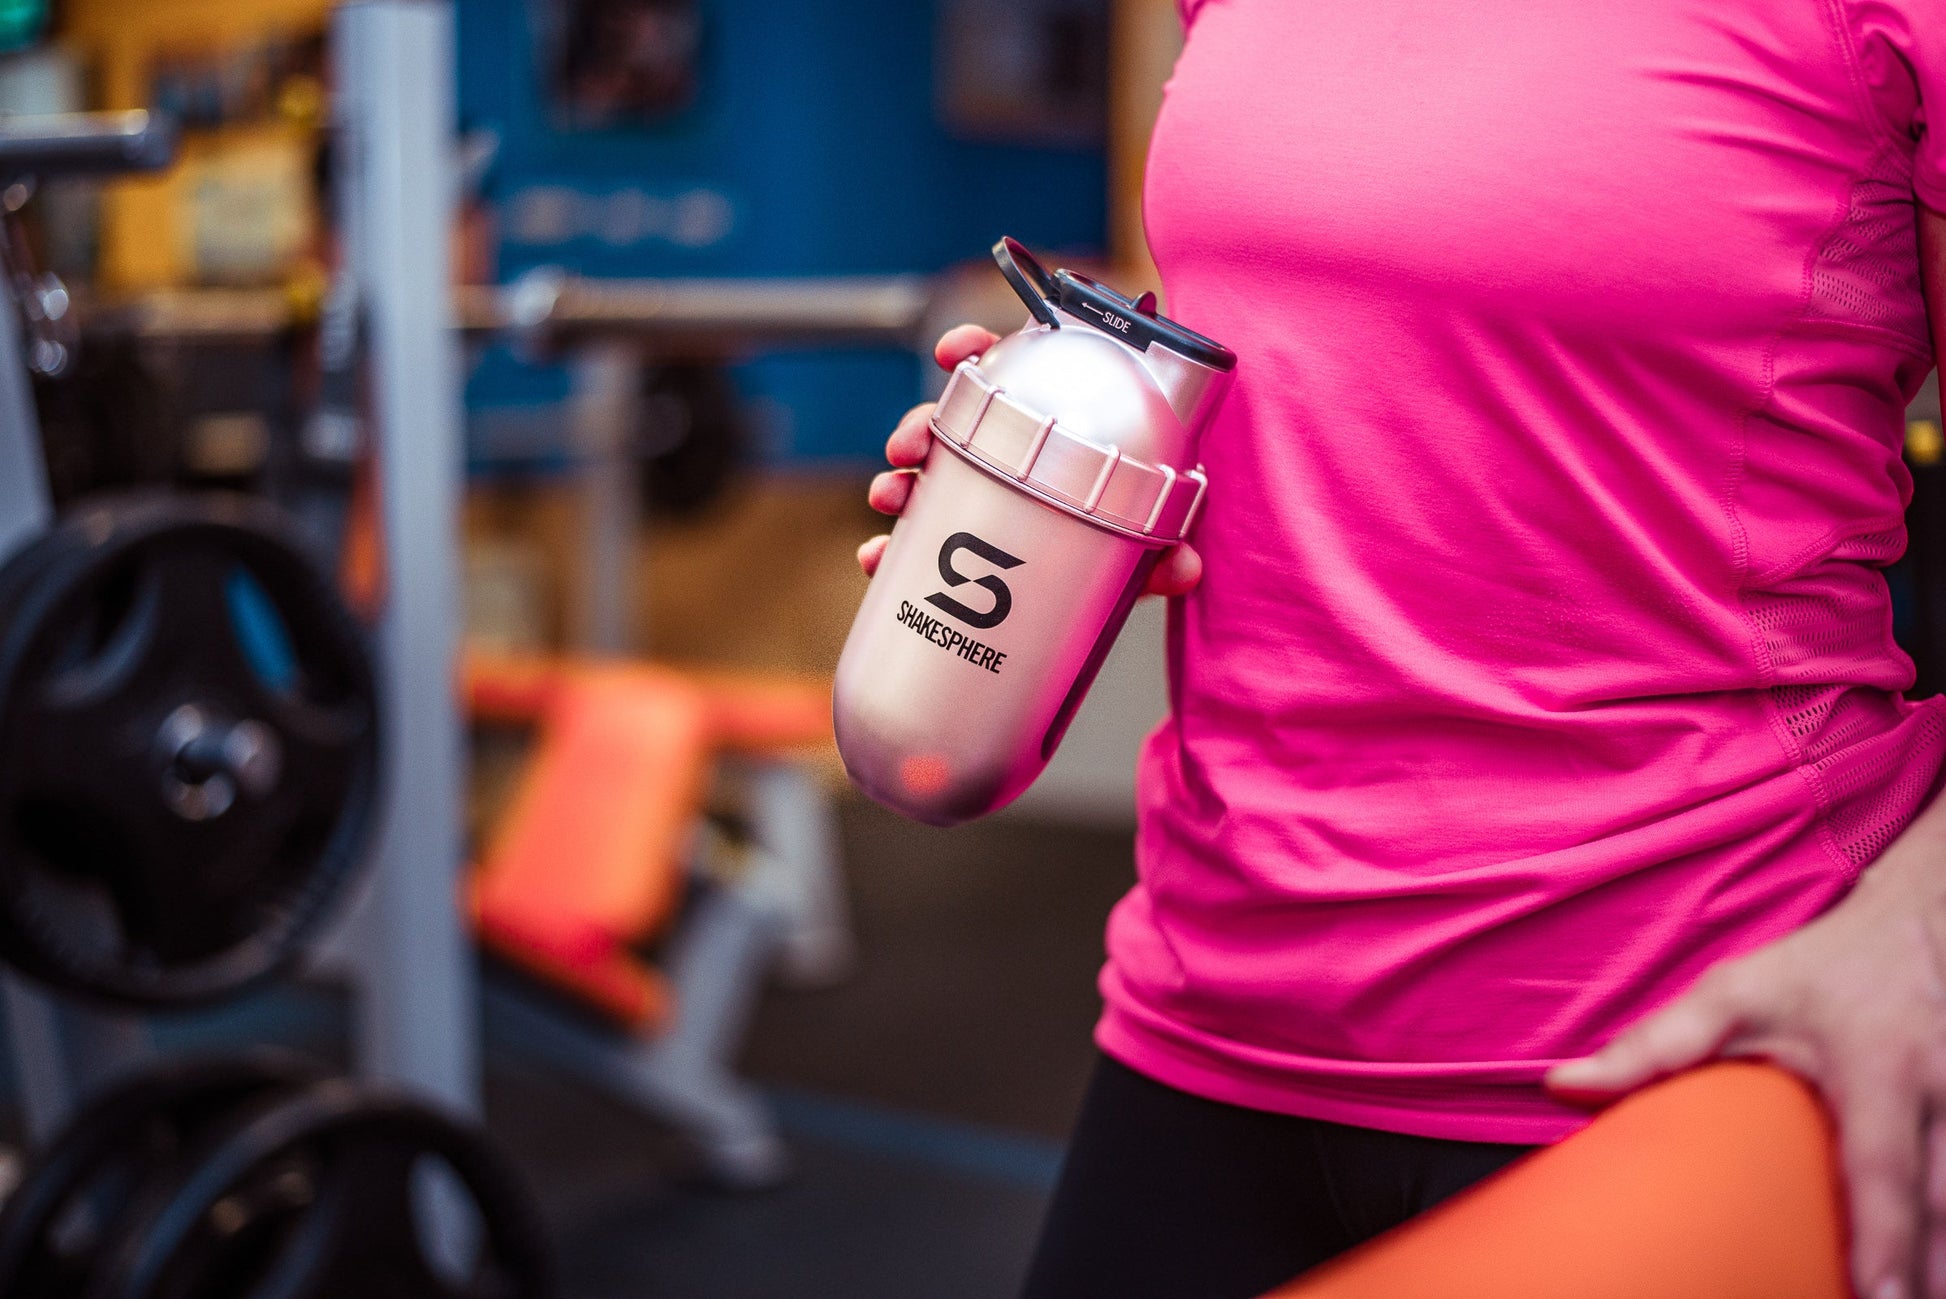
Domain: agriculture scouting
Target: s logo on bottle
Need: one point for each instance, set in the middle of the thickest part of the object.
(1003, 599)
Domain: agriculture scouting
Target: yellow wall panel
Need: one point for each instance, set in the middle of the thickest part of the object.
(143, 242)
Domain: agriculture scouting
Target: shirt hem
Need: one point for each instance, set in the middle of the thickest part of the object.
(1450, 1110)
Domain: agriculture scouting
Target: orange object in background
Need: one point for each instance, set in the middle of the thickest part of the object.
(361, 559)
(749, 712)
(1719, 1183)
(761, 713)
(509, 688)
(590, 857)
(589, 860)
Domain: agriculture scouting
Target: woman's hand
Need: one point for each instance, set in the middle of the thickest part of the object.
(1177, 573)
(1855, 1002)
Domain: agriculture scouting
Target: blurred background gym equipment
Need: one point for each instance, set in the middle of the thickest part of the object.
(192, 748)
(233, 445)
(193, 762)
(250, 1175)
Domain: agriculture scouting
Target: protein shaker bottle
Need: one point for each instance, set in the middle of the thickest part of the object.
(1063, 463)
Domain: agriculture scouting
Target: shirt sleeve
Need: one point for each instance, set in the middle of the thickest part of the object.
(1901, 49)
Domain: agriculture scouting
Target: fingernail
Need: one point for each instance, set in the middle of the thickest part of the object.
(1890, 1288)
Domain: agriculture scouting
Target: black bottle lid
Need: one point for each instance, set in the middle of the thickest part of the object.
(1132, 320)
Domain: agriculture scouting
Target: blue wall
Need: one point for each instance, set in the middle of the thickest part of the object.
(812, 147)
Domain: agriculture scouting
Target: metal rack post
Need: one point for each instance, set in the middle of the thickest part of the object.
(25, 508)
(417, 985)
(602, 416)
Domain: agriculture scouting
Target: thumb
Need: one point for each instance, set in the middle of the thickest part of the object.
(1674, 1038)
(962, 343)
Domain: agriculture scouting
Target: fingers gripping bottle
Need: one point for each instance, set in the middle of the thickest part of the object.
(1063, 463)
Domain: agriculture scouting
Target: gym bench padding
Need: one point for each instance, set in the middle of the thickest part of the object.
(1719, 1183)
(589, 859)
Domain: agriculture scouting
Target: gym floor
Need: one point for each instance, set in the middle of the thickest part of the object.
(926, 1098)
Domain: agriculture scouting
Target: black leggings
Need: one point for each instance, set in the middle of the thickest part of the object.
(1170, 1195)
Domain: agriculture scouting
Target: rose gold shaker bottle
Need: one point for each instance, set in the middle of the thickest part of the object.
(1063, 463)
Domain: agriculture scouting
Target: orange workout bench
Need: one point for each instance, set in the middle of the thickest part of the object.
(590, 863)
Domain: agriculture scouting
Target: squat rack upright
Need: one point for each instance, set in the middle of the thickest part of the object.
(409, 962)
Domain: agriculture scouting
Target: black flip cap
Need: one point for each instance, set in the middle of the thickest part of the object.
(1132, 320)
(1128, 320)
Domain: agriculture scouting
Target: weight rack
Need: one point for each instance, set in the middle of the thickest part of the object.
(402, 948)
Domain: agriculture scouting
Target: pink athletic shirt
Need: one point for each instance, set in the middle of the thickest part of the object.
(1542, 656)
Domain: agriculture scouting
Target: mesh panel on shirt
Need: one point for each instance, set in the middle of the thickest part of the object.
(1866, 272)
(1825, 719)
(1822, 626)
(1825, 629)
(1827, 624)
(1873, 547)
(1876, 787)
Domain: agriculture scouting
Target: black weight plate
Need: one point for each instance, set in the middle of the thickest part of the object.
(17, 577)
(694, 438)
(311, 1195)
(103, 858)
(71, 1195)
(188, 749)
